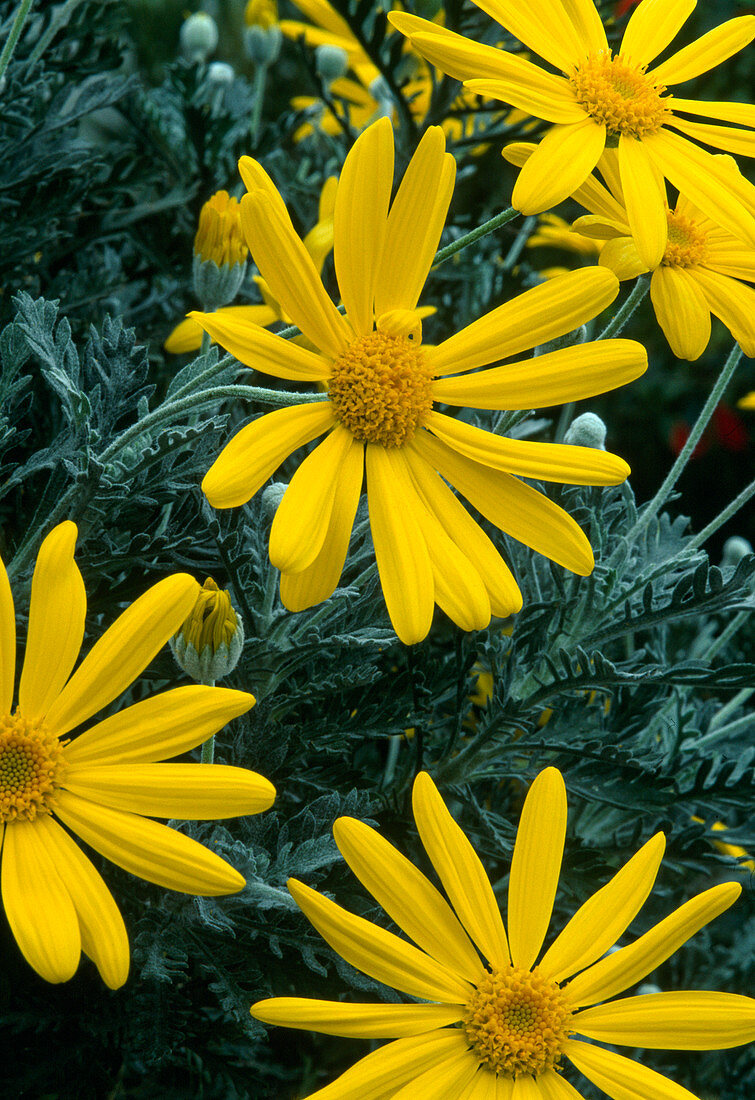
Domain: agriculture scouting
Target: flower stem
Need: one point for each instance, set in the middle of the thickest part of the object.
(15, 33)
(208, 748)
(638, 295)
(723, 517)
(258, 88)
(489, 226)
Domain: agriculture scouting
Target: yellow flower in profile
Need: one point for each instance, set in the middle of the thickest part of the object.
(499, 1023)
(382, 384)
(219, 237)
(605, 102)
(100, 784)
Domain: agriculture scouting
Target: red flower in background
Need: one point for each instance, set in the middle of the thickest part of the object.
(726, 429)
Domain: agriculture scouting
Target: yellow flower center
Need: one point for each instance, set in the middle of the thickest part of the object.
(517, 1022)
(381, 389)
(687, 242)
(31, 767)
(620, 95)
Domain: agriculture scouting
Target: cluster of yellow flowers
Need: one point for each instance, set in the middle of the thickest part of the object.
(495, 1023)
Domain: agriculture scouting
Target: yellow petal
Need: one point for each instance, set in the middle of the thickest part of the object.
(256, 452)
(355, 1021)
(448, 1078)
(542, 461)
(156, 729)
(262, 350)
(287, 268)
(622, 257)
(303, 516)
(37, 904)
(516, 508)
(584, 17)
(733, 140)
(706, 52)
(186, 336)
(733, 303)
(622, 1078)
(652, 25)
(415, 223)
(601, 229)
(630, 964)
(522, 84)
(400, 550)
(7, 642)
(682, 311)
(103, 934)
(483, 1086)
(407, 896)
(459, 869)
(591, 194)
(526, 1088)
(379, 953)
(554, 1087)
(645, 200)
(568, 374)
(190, 792)
(735, 264)
(147, 849)
(604, 917)
(688, 1020)
(741, 113)
(56, 622)
(124, 651)
(562, 162)
(359, 222)
(535, 866)
(545, 28)
(256, 179)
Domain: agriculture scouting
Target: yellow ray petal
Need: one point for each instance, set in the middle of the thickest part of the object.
(186, 336)
(415, 224)
(706, 52)
(156, 729)
(7, 642)
(37, 904)
(630, 964)
(534, 317)
(622, 257)
(604, 917)
(379, 953)
(536, 865)
(103, 933)
(682, 311)
(652, 25)
(730, 138)
(688, 1020)
(147, 849)
(460, 871)
(256, 179)
(262, 350)
(561, 163)
(355, 1021)
(445, 1080)
(56, 622)
(622, 1078)
(505, 1088)
(733, 303)
(359, 221)
(521, 511)
(256, 452)
(483, 1086)
(645, 200)
(591, 194)
(407, 896)
(600, 229)
(584, 17)
(124, 651)
(546, 29)
(554, 1087)
(534, 94)
(400, 550)
(568, 374)
(190, 792)
(735, 264)
(741, 113)
(287, 268)
(542, 461)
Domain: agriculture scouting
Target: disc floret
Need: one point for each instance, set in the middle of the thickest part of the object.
(687, 243)
(31, 767)
(620, 95)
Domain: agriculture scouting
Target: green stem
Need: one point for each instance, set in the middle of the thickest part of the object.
(271, 584)
(15, 32)
(503, 218)
(258, 88)
(208, 748)
(616, 324)
(723, 517)
(721, 716)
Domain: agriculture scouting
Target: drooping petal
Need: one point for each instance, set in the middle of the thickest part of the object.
(540, 314)
(262, 350)
(686, 1020)
(730, 138)
(561, 163)
(622, 1078)
(303, 515)
(56, 622)
(707, 52)
(257, 450)
(460, 871)
(7, 642)
(536, 865)
(124, 651)
(355, 1021)
(447, 1079)
(103, 934)
(604, 917)
(402, 556)
(378, 953)
(645, 200)
(622, 257)
(630, 964)
(568, 374)
(407, 896)
(147, 849)
(359, 221)
(652, 25)
(681, 310)
(415, 223)
(38, 905)
(733, 303)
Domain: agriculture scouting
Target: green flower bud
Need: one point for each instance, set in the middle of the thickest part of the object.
(263, 44)
(332, 62)
(734, 550)
(199, 36)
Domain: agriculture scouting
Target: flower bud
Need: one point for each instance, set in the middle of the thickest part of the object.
(261, 13)
(262, 44)
(220, 72)
(209, 644)
(198, 36)
(272, 496)
(735, 549)
(587, 430)
(220, 252)
(332, 62)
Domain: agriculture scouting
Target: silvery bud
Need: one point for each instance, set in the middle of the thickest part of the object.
(587, 430)
(199, 36)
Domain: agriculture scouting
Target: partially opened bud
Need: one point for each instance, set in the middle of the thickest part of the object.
(220, 251)
(209, 643)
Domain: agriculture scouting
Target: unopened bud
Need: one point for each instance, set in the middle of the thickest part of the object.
(262, 44)
(332, 62)
(587, 430)
(198, 36)
(272, 496)
(209, 644)
(220, 72)
(735, 549)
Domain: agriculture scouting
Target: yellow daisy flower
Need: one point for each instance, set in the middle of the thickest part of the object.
(99, 784)
(605, 102)
(379, 407)
(500, 1024)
